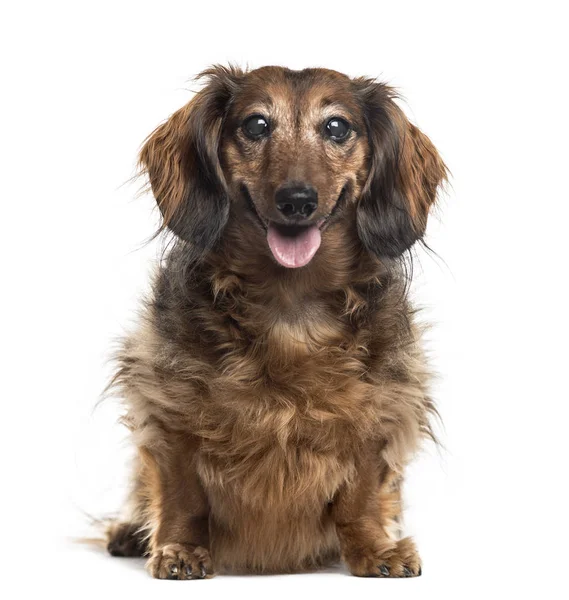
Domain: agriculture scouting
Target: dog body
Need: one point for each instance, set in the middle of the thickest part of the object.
(276, 386)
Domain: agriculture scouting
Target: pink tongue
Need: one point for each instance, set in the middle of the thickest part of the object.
(294, 251)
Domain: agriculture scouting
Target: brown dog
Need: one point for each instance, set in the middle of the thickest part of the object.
(276, 386)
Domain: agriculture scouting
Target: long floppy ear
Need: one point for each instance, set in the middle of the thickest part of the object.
(181, 160)
(405, 172)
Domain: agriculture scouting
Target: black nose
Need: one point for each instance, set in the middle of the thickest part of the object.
(296, 202)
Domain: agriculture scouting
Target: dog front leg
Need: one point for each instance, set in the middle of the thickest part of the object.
(364, 511)
(178, 512)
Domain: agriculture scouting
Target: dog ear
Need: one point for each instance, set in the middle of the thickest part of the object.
(404, 175)
(181, 160)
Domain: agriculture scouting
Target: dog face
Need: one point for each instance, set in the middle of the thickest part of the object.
(293, 147)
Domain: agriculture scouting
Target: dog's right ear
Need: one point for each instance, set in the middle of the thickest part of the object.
(181, 160)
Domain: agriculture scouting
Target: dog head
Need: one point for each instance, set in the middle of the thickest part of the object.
(293, 148)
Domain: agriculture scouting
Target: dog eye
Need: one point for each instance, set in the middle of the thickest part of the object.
(255, 127)
(337, 129)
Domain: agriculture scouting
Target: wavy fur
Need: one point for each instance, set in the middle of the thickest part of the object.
(275, 410)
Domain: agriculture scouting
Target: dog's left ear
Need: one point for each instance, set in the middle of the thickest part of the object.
(404, 175)
(181, 160)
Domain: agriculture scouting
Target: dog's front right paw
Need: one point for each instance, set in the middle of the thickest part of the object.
(180, 561)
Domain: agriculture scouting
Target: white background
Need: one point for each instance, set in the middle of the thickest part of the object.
(84, 82)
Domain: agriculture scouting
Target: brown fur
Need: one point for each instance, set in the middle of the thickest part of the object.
(275, 409)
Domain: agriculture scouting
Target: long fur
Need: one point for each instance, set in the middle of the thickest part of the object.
(275, 410)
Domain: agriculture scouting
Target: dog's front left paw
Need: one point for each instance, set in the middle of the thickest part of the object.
(180, 561)
(399, 560)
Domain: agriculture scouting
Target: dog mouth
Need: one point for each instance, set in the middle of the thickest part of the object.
(294, 246)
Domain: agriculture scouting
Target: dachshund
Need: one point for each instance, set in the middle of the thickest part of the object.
(275, 385)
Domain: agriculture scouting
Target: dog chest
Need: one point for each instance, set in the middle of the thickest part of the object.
(287, 446)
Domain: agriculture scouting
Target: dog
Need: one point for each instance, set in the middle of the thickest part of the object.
(275, 386)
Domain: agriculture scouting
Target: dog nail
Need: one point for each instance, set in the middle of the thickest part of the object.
(188, 570)
(407, 572)
(203, 572)
(384, 570)
(420, 572)
(173, 570)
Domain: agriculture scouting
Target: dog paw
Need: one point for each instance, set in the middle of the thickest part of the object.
(178, 561)
(125, 539)
(401, 560)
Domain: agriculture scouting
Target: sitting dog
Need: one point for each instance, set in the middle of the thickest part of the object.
(276, 386)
